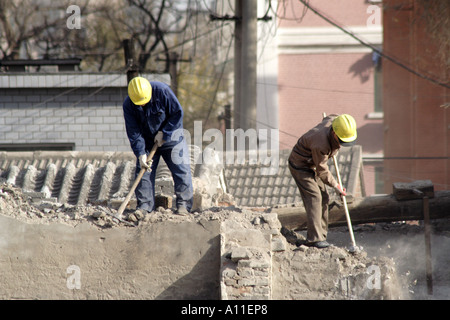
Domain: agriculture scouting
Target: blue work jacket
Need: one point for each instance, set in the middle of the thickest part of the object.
(162, 113)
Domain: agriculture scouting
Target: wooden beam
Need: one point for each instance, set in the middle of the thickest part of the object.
(384, 208)
(414, 190)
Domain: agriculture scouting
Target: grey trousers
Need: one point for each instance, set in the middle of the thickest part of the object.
(315, 199)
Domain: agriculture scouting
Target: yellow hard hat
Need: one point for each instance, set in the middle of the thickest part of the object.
(139, 91)
(345, 128)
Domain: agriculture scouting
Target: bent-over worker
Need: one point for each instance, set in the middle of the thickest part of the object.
(309, 168)
(152, 115)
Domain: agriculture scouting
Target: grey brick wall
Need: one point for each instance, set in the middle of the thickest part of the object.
(94, 122)
(90, 116)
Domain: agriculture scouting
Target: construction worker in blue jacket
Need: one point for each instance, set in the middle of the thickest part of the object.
(152, 115)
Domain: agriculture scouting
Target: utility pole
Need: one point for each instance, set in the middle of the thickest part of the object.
(245, 60)
(227, 116)
(130, 59)
(248, 63)
(173, 60)
(237, 64)
(245, 64)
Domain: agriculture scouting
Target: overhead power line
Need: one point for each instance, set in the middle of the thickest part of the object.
(380, 52)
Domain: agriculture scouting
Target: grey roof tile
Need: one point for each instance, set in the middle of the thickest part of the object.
(248, 185)
(270, 190)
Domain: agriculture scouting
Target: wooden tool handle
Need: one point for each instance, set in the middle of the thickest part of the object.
(136, 182)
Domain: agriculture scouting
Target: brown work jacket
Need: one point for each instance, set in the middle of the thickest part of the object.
(313, 150)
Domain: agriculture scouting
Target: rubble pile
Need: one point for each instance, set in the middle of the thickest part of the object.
(33, 207)
(335, 274)
(259, 259)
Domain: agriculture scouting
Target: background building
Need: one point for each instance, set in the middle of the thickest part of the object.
(416, 92)
(323, 69)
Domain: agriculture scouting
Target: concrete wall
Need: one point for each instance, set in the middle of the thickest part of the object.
(154, 261)
(228, 255)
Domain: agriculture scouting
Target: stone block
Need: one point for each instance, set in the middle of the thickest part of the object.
(201, 201)
(239, 253)
(272, 220)
(278, 244)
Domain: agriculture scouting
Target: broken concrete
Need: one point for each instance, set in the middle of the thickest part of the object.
(38, 261)
(54, 251)
(307, 275)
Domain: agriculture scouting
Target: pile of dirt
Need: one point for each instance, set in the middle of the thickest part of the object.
(26, 207)
(334, 273)
(30, 208)
(299, 272)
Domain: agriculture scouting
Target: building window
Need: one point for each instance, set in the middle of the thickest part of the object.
(378, 82)
(379, 180)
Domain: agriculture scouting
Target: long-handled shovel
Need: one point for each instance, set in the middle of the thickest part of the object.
(136, 182)
(353, 247)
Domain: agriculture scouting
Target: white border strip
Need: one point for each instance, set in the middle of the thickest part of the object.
(326, 40)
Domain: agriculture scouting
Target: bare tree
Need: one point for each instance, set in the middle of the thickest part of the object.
(34, 29)
(23, 24)
(156, 24)
(37, 28)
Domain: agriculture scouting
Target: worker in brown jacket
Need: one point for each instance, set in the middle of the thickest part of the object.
(308, 165)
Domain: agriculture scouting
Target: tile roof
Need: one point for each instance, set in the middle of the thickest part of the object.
(251, 188)
(78, 177)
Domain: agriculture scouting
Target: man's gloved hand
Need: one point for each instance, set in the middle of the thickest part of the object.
(143, 162)
(159, 139)
(341, 190)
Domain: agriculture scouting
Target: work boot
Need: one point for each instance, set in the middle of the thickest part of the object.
(137, 215)
(182, 211)
(318, 244)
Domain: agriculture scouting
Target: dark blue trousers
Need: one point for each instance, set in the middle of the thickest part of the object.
(177, 159)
